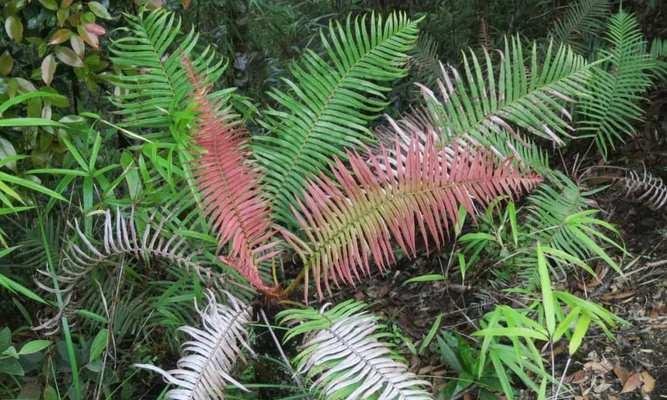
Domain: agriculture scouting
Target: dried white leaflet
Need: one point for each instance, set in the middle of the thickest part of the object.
(645, 188)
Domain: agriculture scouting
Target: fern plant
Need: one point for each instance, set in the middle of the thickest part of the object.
(476, 102)
(317, 182)
(355, 217)
(328, 106)
(153, 83)
(344, 355)
(121, 239)
(617, 85)
(583, 20)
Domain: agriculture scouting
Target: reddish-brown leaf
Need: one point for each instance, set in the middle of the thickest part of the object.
(95, 29)
(633, 383)
(230, 188)
(408, 195)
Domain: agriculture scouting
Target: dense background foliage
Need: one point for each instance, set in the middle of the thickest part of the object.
(97, 117)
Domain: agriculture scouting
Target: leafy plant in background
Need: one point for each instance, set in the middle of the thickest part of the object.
(618, 84)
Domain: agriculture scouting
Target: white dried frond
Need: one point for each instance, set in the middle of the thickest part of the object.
(121, 238)
(204, 370)
(345, 358)
(645, 188)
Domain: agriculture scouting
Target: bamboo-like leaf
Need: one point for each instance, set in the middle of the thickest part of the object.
(547, 294)
(579, 332)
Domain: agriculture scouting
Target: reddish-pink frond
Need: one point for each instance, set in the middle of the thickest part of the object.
(405, 195)
(230, 187)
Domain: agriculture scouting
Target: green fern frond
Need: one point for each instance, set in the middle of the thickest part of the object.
(152, 82)
(659, 53)
(329, 104)
(425, 60)
(532, 96)
(583, 19)
(617, 86)
(560, 217)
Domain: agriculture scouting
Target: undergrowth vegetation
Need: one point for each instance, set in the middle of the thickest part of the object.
(187, 189)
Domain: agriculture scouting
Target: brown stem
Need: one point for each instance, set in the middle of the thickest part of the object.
(295, 283)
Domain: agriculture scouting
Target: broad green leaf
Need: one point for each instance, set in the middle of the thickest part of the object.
(68, 56)
(49, 4)
(60, 36)
(547, 294)
(99, 344)
(48, 68)
(579, 332)
(50, 393)
(11, 366)
(6, 63)
(14, 28)
(34, 346)
(99, 10)
(77, 44)
(7, 150)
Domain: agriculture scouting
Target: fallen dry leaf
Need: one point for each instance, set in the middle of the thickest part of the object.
(621, 373)
(633, 383)
(601, 367)
(649, 382)
(578, 377)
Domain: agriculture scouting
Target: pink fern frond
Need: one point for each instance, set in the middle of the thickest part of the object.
(396, 195)
(230, 188)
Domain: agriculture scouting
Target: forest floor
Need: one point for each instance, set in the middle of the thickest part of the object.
(634, 365)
